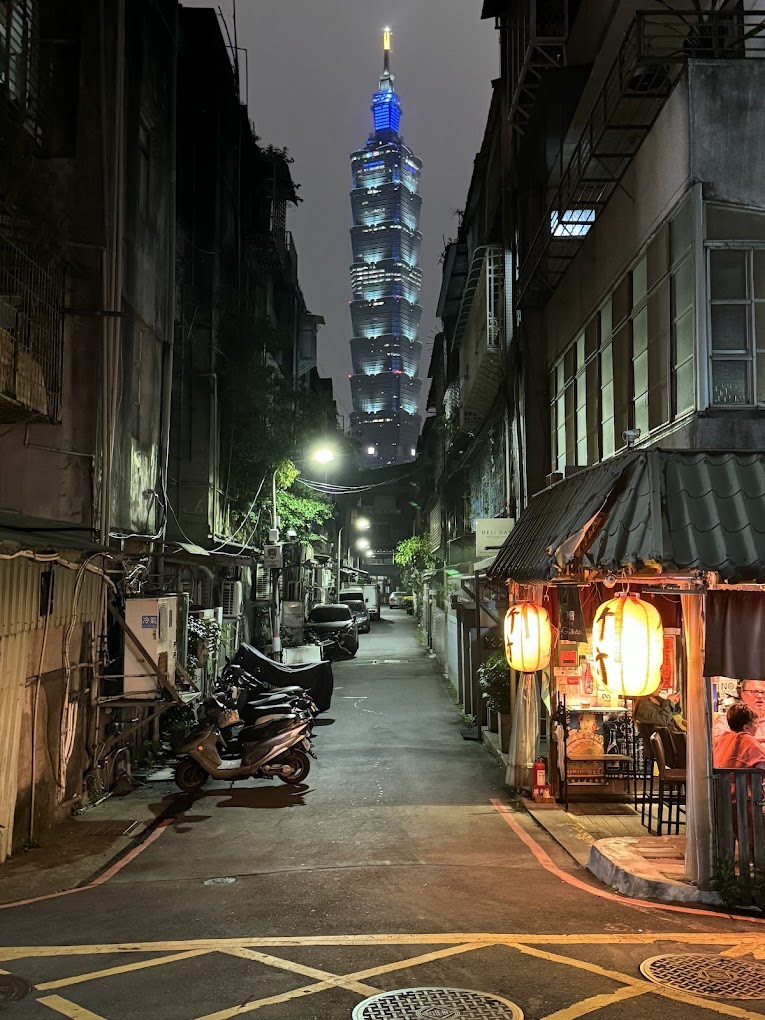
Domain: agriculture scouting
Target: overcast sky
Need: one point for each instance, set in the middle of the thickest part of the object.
(313, 65)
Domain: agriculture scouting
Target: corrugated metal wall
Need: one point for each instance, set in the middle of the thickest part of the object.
(13, 669)
(20, 604)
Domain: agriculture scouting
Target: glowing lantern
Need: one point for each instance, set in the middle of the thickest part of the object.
(628, 646)
(528, 637)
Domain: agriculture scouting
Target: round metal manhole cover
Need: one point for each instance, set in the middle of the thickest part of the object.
(716, 976)
(436, 1004)
(13, 989)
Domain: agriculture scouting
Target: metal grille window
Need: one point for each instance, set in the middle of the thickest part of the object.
(31, 327)
(18, 56)
(737, 325)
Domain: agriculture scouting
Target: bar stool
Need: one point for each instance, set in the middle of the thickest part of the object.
(671, 782)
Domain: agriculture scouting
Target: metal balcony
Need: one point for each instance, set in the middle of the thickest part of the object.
(654, 51)
(479, 335)
(537, 33)
(31, 328)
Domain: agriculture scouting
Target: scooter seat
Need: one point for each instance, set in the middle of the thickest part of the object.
(280, 692)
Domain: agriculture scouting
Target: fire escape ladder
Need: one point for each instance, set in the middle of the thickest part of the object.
(655, 49)
(538, 32)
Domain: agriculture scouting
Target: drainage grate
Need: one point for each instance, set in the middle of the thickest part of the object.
(436, 1004)
(13, 989)
(715, 976)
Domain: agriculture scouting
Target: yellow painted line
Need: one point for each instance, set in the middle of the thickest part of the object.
(271, 1000)
(126, 968)
(745, 949)
(299, 968)
(70, 1009)
(418, 961)
(592, 968)
(438, 938)
(595, 1002)
(664, 991)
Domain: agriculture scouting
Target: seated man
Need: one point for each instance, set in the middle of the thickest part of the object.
(751, 694)
(653, 712)
(738, 748)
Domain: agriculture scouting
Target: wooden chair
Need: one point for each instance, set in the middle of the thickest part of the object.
(671, 783)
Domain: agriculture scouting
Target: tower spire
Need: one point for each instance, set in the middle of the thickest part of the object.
(387, 44)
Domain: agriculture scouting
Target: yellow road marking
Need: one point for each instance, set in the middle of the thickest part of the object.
(298, 968)
(416, 961)
(70, 1009)
(664, 991)
(757, 950)
(596, 1002)
(124, 969)
(439, 938)
(272, 1000)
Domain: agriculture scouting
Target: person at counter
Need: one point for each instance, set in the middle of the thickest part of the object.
(752, 694)
(654, 712)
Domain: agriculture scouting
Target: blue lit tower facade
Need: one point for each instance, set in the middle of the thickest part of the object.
(386, 278)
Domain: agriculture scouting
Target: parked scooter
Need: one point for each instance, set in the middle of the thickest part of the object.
(278, 746)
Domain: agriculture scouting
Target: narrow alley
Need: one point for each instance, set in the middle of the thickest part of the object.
(392, 868)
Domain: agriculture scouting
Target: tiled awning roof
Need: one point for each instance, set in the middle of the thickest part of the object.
(668, 511)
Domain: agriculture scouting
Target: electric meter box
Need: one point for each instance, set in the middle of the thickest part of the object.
(154, 622)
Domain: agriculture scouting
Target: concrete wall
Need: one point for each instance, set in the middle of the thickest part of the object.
(727, 124)
(653, 183)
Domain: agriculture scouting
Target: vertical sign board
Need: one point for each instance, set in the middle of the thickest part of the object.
(490, 533)
(272, 557)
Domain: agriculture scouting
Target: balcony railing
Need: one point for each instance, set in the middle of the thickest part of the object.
(31, 327)
(480, 335)
(645, 70)
(538, 30)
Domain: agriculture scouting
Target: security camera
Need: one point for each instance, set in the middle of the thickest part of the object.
(631, 436)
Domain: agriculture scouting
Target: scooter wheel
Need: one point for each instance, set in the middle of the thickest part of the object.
(190, 776)
(300, 763)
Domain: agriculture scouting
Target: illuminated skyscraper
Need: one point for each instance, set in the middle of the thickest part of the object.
(386, 278)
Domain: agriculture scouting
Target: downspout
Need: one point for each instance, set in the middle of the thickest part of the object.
(169, 347)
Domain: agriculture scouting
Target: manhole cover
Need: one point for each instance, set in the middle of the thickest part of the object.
(716, 976)
(13, 989)
(436, 1004)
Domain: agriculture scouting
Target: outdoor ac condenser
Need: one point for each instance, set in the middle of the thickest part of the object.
(231, 597)
(154, 622)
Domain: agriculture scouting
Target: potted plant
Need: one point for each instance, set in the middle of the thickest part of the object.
(494, 681)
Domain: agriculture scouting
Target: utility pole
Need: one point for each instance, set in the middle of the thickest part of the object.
(339, 560)
(276, 639)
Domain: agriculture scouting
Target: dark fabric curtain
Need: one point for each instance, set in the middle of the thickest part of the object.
(735, 635)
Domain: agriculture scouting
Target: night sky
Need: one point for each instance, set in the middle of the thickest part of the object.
(313, 65)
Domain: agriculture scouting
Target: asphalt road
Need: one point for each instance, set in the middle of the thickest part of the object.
(390, 869)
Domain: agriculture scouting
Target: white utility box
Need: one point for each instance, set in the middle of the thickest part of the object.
(154, 622)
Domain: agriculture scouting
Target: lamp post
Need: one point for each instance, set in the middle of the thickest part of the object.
(322, 455)
(361, 524)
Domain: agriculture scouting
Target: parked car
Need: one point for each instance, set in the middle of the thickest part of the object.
(396, 599)
(334, 622)
(360, 613)
(366, 593)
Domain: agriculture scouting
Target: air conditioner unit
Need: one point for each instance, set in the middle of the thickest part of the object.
(262, 587)
(231, 599)
(154, 622)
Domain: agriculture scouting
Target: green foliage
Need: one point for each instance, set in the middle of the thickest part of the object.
(727, 882)
(414, 555)
(303, 514)
(494, 681)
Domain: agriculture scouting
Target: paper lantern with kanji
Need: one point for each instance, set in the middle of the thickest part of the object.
(528, 637)
(628, 646)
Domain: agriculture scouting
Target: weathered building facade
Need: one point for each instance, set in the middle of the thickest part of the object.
(125, 229)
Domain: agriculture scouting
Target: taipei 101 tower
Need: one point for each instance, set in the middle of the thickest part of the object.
(385, 278)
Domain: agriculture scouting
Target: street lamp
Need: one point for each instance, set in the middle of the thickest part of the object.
(321, 455)
(360, 524)
(362, 543)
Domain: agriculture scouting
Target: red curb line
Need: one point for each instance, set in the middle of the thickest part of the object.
(547, 863)
(103, 878)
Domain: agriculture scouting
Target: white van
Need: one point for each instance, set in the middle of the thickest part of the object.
(366, 593)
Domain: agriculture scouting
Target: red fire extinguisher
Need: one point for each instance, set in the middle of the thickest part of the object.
(540, 773)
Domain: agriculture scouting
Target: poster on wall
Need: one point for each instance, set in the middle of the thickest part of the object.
(570, 619)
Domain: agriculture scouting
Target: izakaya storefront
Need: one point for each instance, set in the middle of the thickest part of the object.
(637, 593)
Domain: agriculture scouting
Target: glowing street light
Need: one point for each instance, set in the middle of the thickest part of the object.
(363, 523)
(324, 455)
(362, 543)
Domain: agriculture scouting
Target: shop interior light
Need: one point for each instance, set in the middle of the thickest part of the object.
(628, 646)
(528, 637)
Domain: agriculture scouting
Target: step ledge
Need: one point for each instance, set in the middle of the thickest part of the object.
(613, 862)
